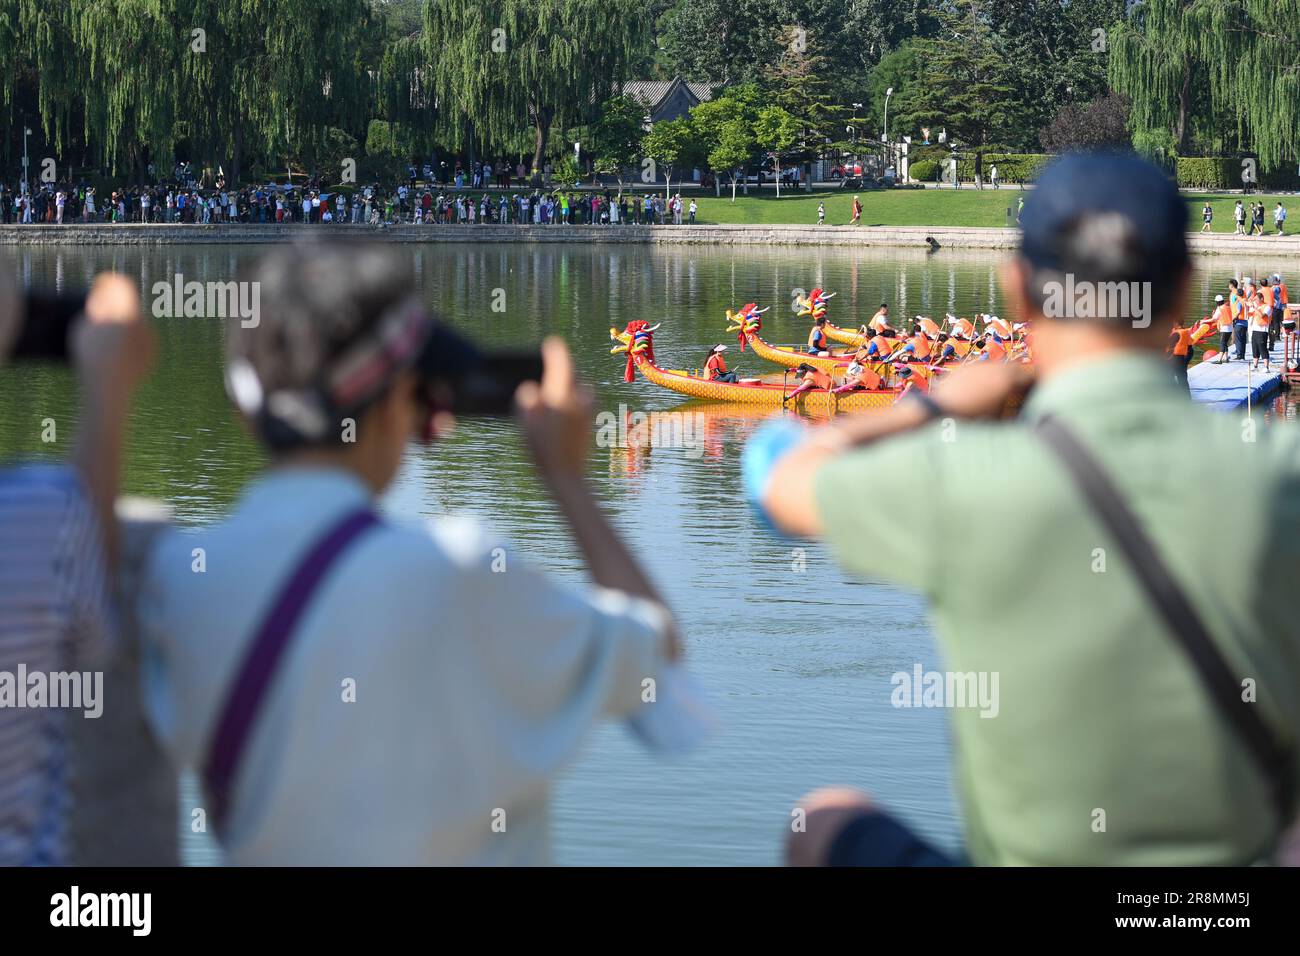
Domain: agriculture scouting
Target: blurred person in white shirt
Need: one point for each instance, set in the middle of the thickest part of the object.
(428, 695)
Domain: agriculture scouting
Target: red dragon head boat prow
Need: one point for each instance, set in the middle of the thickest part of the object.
(636, 339)
(815, 305)
(748, 319)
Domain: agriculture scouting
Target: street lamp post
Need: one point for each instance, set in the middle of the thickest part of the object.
(854, 128)
(27, 131)
(888, 93)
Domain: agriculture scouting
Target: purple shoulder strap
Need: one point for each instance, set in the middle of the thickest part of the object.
(253, 679)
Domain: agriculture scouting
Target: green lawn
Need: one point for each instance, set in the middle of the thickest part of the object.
(931, 207)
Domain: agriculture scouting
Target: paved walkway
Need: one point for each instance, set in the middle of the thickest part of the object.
(929, 238)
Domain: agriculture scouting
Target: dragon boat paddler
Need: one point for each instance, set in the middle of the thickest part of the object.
(859, 376)
(951, 349)
(715, 369)
(818, 344)
(915, 348)
(880, 321)
(910, 382)
(811, 378)
(881, 346)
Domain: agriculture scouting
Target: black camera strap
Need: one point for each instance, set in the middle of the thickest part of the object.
(1269, 750)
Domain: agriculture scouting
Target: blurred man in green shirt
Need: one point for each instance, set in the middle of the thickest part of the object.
(1106, 745)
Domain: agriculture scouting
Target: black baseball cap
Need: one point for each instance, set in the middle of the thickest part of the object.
(1106, 216)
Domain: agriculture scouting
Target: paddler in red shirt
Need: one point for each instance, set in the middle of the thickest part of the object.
(715, 369)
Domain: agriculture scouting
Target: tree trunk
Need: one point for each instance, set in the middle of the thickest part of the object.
(1182, 129)
(542, 131)
(237, 161)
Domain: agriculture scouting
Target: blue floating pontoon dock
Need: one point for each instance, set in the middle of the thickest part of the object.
(1228, 386)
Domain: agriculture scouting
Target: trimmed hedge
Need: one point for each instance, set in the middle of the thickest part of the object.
(924, 171)
(1217, 173)
(1210, 173)
(1012, 167)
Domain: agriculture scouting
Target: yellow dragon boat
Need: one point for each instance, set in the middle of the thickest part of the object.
(747, 322)
(637, 345)
(844, 336)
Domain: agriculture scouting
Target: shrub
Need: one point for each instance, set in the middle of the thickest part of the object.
(1207, 172)
(1215, 173)
(1012, 167)
(924, 170)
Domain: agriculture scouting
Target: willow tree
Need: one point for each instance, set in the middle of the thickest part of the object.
(518, 63)
(129, 54)
(1246, 51)
(271, 75)
(36, 46)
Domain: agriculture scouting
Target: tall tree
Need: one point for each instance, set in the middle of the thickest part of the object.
(273, 75)
(1246, 51)
(724, 127)
(966, 82)
(617, 135)
(673, 144)
(721, 41)
(778, 132)
(1058, 55)
(540, 62)
(130, 54)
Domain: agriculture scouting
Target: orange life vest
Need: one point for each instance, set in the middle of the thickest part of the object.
(929, 327)
(1223, 317)
(1268, 297)
(994, 350)
(918, 382)
(813, 336)
(1184, 342)
(879, 321)
(1262, 317)
(1283, 296)
(819, 378)
(920, 347)
(868, 379)
(716, 366)
(884, 347)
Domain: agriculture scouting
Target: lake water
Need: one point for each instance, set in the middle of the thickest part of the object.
(796, 654)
